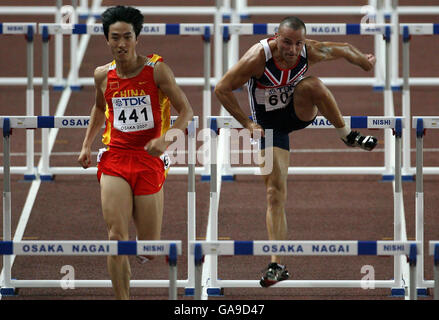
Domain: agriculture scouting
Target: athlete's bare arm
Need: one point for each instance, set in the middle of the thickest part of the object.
(97, 116)
(325, 51)
(165, 81)
(251, 64)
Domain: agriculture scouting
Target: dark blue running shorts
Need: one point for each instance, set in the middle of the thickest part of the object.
(282, 122)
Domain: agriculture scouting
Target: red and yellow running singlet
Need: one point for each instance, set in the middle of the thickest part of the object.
(137, 110)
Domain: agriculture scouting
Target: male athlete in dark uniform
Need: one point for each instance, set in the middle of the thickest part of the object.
(283, 100)
(271, 96)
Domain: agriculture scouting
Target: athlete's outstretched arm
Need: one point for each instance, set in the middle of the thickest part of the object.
(165, 80)
(97, 118)
(251, 64)
(325, 51)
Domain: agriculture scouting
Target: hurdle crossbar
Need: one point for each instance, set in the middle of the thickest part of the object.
(307, 248)
(333, 10)
(359, 122)
(170, 248)
(210, 10)
(78, 122)
(18, 122)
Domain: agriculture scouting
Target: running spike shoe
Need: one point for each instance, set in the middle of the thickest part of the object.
(273, 274)
(355, 139)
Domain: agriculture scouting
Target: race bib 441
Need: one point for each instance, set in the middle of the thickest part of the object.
(132, 113)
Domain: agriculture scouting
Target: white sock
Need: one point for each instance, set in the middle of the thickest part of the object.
(343, 132)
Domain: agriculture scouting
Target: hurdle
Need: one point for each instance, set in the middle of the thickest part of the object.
(47, 29)
(307, 248)
(44, 81)
(87, 248)
(330, 29)
(407, 31)
(421, 124)
(396, 124)
(27, 29)
(378, 10)
(391, 84)
(185, 29)
(83, 12)
(335, 29)
(38, 122)
(434, 251)
(334, 10)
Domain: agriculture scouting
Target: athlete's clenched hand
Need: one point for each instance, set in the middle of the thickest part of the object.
(84, 158)
(156, 147)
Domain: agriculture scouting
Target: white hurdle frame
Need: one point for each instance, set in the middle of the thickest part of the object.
(150, 29)
(235, 29)
(29, 30)
(240, 10)
(47, 29)
(38, 122)
(307, 248)
(334, 29)
(170, 248)
(243, 10)
(386, 30)
(421, 124)
(408, 30)
(216, 157)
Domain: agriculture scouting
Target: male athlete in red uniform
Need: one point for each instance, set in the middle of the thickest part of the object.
(133, 97)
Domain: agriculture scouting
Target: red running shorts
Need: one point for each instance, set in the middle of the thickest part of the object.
(143, 172)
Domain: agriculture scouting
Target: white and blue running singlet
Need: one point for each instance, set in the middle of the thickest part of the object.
(271, 96)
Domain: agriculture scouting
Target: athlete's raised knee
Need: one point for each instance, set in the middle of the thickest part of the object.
(311, 86)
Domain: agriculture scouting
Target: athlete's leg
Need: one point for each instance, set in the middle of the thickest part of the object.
(148, 213)
(117, 205)
(276, 186)
(311, 95)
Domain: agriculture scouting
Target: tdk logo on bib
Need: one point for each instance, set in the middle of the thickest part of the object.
(132, 101)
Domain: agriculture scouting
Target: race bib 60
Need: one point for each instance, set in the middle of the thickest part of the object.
(278, 98)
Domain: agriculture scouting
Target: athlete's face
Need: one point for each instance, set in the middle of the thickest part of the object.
(290, 43)
(122, 41)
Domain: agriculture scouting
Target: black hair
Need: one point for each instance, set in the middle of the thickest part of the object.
(292, 23)
(121, 13)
